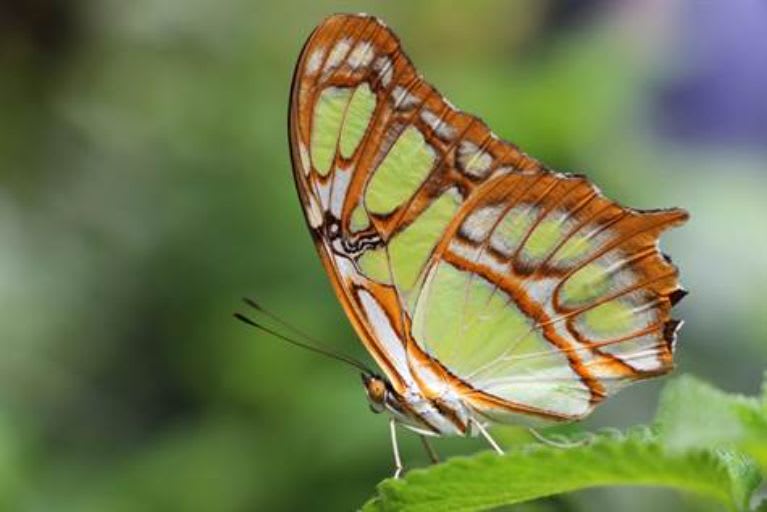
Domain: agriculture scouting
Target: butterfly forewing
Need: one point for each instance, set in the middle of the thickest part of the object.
(527, 290)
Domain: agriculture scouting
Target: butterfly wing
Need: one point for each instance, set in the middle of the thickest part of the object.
(451, 250)
(545, 294)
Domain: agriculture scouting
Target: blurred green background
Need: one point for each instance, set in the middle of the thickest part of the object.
(145, 186)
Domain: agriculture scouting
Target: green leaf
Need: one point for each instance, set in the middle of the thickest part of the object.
(487, 480)
(694, 414)
(705, 441)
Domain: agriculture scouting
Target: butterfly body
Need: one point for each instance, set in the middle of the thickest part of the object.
(487, 287)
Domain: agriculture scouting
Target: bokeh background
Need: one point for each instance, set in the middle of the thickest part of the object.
(145, 186)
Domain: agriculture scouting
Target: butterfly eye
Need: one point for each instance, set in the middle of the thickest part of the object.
(375, 388)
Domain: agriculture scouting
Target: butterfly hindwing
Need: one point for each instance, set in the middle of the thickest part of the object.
(549, 295)
(527, 289)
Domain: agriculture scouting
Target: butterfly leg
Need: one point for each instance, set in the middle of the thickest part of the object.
(486, 435)
(395, 448)
(556, 444)
(429, 450)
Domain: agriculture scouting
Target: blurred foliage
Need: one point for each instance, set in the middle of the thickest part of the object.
(694, 414)
(701, 443)
(145, 186)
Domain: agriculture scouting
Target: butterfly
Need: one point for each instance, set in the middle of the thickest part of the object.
(487, 287)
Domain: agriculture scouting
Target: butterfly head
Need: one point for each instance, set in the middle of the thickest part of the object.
(378, 391)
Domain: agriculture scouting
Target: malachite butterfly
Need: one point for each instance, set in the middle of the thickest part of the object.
(487, 287)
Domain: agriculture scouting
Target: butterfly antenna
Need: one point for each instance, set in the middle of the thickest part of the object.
(295, 330)
(310, 343)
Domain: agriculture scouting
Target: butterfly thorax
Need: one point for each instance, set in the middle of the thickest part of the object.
(436, 416)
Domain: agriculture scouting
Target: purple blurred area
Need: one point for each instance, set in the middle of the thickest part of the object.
(721, 96)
